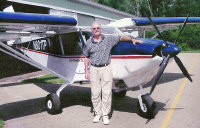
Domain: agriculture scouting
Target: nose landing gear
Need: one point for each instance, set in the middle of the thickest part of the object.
(146, 106)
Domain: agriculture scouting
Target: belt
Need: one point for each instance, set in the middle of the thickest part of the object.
(101, 65)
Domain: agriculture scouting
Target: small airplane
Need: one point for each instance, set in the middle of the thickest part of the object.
(54, 44)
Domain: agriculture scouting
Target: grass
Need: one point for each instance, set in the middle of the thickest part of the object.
(45, 79)
(1, 123)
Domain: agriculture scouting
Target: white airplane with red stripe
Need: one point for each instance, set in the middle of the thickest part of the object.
(55, 43)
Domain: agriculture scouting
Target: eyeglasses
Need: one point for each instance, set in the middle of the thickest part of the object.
(97, 28)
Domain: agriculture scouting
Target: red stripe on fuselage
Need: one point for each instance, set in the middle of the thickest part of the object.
(35, 51)
(113, 56)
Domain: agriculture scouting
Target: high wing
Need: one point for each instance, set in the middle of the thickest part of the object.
(144, 23)
(13, 25)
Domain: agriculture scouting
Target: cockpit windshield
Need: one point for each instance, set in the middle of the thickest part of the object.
(108, 30)
(112, 31)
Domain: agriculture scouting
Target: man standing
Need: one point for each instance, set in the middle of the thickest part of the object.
(98, 54)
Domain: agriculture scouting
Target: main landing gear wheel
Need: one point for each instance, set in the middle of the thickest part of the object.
(120, 94)
(53, 105)
(149, 106)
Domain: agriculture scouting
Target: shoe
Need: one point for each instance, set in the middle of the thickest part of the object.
(105, 120)
(97, 118)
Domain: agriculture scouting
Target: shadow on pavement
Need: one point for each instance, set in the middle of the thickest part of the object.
(11, 84)
(74, 95)
(22, 108)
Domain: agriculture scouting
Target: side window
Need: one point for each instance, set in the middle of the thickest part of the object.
(55, 47)
(71, 43)
(41, 44)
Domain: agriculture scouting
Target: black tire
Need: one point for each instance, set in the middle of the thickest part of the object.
(120, 84)
(120, 94)
(150, 106)
(52, 104)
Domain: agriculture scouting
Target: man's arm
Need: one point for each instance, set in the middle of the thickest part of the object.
(86, 62)
(134, 41)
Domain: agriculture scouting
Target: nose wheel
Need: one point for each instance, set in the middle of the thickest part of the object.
(146, 108)
(53, 105)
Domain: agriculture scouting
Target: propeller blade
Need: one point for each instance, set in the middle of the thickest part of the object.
(159, 73)
(182, 28)
(183, 69)
(154, 25)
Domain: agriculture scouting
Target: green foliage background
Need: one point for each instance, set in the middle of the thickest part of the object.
(189, 39)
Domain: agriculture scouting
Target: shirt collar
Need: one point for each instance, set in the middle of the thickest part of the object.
(92, 39)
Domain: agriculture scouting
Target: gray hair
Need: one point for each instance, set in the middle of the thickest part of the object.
(96, 23)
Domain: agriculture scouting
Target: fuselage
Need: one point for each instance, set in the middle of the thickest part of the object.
(135, 64)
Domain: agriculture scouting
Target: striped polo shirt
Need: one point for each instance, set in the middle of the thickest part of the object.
(99, 53)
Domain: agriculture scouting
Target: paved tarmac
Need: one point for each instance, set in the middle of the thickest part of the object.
(22, 105)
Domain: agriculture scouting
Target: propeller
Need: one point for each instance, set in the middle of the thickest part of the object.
(182, 28)
(177, 60)
(160, 72)
(183, 69)
(166, 58)
(154, 25)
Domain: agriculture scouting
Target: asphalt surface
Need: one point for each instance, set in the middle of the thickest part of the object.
(22, 105)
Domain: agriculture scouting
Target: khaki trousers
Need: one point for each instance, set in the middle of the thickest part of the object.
(101, 89)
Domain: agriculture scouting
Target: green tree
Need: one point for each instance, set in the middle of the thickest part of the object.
(164, 8)
(188, 40)
(125, 5)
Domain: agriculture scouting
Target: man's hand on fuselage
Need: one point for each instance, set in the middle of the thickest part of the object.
(134, 41)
